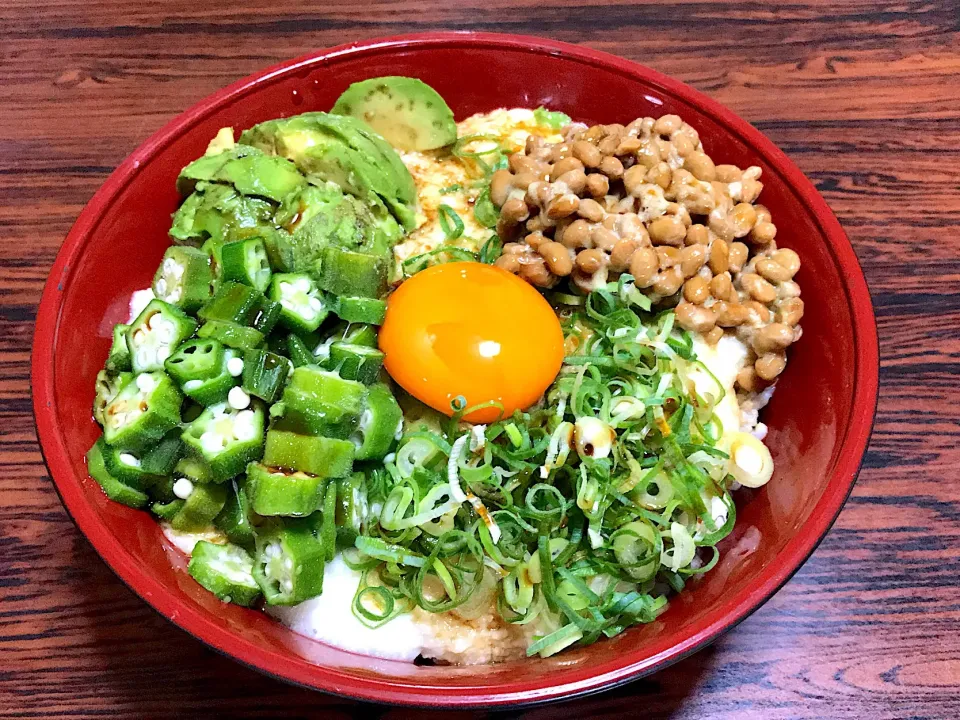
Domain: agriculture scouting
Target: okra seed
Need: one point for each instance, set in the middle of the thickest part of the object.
(165, 331)
(235, 366)
(238, 399)
(211, 442)
(302, 284)
(182, 488)
(245, 426)
(128, 459)
(146, 382)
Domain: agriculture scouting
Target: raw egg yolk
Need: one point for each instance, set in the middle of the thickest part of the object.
(471, 330)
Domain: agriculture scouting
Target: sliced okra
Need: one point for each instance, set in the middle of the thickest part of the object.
(162, 490)
(118, 360)
(107, 385)
(198, 359)
(319, 402)
(289, 562)
(264, 374)
(224, 439)
(349, 334)
(328, 522)
(328, 388)
(321, 456)
(162, 458)
(231, 334)
(280, 248)
(267, 316)
(361, 310)
(357, 334)
(184, 278)
(278, 492)
(226, 571)
(167, 510)
(127, 468)
(356, 362)
(194, 469)
(215, 389)
(345, 272)
(298, 351)
(156, 333)
(145, 409)
(302, 305)
(112, 487)
(235, 520)
(246, 262)
(200, 507)
(351, 506)
(233, 303)
(379, 424)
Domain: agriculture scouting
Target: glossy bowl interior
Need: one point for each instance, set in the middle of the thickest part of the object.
(819, 420)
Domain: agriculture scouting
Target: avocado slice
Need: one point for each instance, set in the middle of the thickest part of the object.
(329, 217)
(322, 216)
(266, 176)
(361, 137)
(181, 230)
(213, 210)
(326, 150)
(386, 231)
(407, 112)
(248, 169)
(205, 168)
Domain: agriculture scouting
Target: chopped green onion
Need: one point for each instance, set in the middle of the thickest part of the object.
(461, 149)
(374, 603)
(484, 210)
(491, 250)
(450, 222)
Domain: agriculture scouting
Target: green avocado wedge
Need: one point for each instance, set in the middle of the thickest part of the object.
(248, 169)
(329, 149)
(266, 176)
(406, 111)
(213, 211)
(322, 216)
(206, 167)
(361, 137)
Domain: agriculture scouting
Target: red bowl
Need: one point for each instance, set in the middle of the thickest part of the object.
(819, 420)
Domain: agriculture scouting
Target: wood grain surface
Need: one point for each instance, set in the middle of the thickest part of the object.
(864, 96)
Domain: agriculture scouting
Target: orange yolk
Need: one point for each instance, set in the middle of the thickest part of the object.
(471, 330)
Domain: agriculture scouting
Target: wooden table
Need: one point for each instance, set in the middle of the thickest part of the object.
(864, 96)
